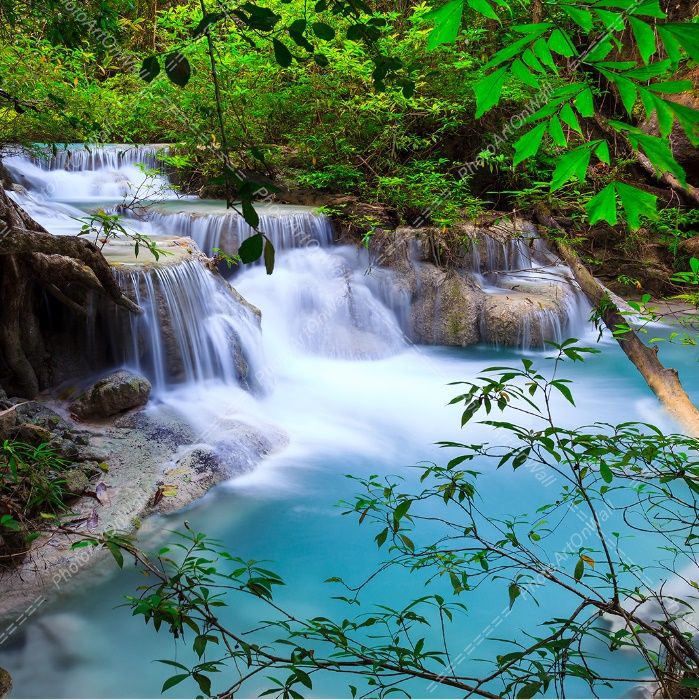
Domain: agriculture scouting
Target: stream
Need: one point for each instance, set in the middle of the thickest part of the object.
(334, 368)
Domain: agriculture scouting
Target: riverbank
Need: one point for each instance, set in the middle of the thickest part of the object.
(153, 462)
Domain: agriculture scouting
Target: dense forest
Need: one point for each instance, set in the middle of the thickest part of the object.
(248, 253)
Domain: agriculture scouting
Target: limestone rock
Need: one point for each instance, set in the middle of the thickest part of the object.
(114, 394)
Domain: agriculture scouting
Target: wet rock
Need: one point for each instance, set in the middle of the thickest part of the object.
(5, 683)
(114, 394)
(8, 421)
(33, 434)
(40, 414)
(200, 467)
(76, 481)
(523, 317)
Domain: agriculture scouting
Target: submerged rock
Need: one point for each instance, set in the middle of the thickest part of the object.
(5, 683)
(114, 394)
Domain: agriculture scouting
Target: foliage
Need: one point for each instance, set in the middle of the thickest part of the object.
(582, 41)
(32, 490)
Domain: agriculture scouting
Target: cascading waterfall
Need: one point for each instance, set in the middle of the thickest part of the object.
(99, 176)
(286, 227)
(79, 157)
(322, 301)
(192, 330)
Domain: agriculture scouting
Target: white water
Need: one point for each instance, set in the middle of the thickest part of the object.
(342, 380)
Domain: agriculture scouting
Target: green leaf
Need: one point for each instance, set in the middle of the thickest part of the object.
(269, 257)
(556, 132)
(542, 52)
(204, 683)
(514, 591)
(529, 690)
(602, 152)
(177, 68)
(579, 570)
(583, 18)
(600, 51)
(520, 71)
(584, 103)
(627, 91)
(447, 22)
(149, 69)
(488, 91)
(659, 154)
(173, 681)
(568, 116)
(323, 31)
(602, 207)
(636, 203)
(573, 164)
(688, 119)
(513, 49)
(671, 44)
(282, 55)
(606, 473)
(251, 248)
(116, 553)
(250, 215)
(645, 38)
(687, 34)
(669, 87)
(529, 144)
(483, 8)
(401, 509)
(560, 42)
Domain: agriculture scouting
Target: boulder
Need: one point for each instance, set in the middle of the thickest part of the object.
(32, 434)
(8, 421)
(446, 307)
(114, 394)
(690, 247)
(524, 317)
(75, 481)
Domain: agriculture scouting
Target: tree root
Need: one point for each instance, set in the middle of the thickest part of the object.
(31, 259)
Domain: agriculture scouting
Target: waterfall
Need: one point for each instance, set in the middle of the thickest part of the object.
(99, 176)
(286, 227)
(81, 157)
(193, 328)
(324, 299)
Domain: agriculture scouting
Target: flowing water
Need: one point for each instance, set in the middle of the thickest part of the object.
(333, 368)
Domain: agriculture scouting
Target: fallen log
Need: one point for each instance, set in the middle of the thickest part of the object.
(663, 381)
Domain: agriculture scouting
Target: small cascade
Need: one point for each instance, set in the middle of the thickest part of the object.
(287, 228)
(98, 175)
(194, 327)
(322, 304)
(81, 157)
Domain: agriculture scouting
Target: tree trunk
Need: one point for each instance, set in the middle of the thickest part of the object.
(32, 260)
(663, 381)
